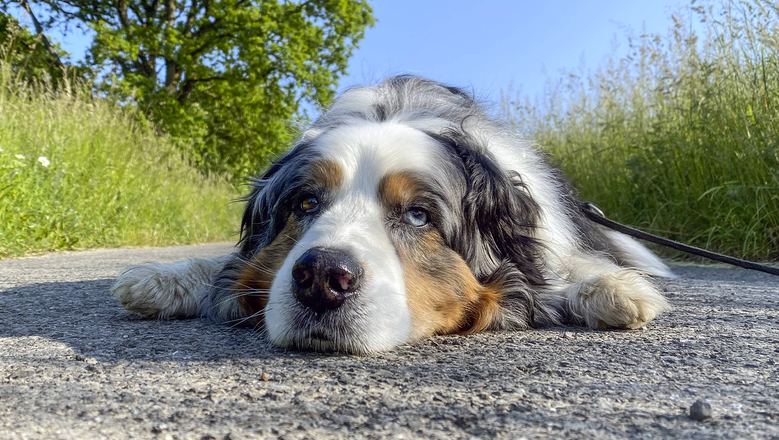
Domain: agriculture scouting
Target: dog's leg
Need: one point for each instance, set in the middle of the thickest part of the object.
(163, 291)
(599, 294)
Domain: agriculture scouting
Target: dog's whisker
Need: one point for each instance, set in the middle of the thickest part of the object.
(238, 322)
(254, 264)
(247, 293)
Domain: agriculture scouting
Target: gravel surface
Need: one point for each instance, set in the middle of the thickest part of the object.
(75, 365)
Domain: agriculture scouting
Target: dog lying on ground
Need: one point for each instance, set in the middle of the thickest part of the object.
(405, 211)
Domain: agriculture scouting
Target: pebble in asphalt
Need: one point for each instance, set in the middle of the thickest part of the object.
(700, 410)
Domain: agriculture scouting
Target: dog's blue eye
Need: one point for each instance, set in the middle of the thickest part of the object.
(416, 217)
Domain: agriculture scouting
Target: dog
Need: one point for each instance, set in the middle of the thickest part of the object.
(405, 211)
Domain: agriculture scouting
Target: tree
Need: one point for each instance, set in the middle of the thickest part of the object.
(29, 56)
(223, 77)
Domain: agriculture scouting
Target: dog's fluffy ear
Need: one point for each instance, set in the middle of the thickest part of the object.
(499, 214)
(496, 238)
(504, 213)
(255, 218)
(256, 214)
(262, 211)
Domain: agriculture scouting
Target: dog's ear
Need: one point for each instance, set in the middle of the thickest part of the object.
(499, 216)
(262, 209)
(503, 212)
(255, 219)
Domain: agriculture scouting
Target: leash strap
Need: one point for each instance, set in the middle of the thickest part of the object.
(593, 213)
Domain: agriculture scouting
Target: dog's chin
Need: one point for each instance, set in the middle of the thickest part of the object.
(343, 330)
(317, 342)
(304, 330)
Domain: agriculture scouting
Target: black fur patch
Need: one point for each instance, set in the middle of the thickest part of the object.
(499, 214)
(496, 234)
(269, 203)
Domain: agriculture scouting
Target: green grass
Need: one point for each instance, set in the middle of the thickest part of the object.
(78, 172)
(681, 136)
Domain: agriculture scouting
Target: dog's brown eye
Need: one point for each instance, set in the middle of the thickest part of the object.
(309, 204)
(416, 217)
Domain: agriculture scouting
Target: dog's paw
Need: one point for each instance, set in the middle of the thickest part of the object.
(155, 291)
(619, 299)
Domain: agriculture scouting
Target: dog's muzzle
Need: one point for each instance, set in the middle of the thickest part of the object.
(325, 278)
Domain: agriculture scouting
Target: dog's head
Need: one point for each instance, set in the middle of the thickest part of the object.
(389, 221)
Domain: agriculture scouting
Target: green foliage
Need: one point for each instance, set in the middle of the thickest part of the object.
(25, 54)
(223, 77)
(79, 172)
(681, 136)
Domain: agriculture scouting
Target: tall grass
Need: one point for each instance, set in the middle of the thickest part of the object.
(681, 135)
(79, 172)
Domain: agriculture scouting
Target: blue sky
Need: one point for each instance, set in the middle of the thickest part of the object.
(486, 45)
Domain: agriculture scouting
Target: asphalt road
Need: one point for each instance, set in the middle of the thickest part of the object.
(75, 365)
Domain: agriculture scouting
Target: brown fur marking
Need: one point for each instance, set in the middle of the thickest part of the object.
(441, 291)
(253, 283)
(398, 189)
(326, 174)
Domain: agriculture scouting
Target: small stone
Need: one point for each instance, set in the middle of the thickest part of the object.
(700, 410)
(265, 377)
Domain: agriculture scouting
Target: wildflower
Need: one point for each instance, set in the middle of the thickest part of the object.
(45, 162)
(19, 156)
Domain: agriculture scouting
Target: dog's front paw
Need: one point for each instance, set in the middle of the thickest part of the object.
(154, 291)
(620, 299)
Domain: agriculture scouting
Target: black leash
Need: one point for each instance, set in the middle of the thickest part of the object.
(593, 213)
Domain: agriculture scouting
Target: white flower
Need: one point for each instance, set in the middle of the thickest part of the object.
(19, 156)
(1, 149)
(45, 162)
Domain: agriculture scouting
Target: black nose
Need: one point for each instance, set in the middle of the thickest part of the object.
(324, 278)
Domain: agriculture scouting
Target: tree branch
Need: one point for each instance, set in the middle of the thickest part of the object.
(171, 69)
(208, 44)
(39, 29)
(299, 8)
(142, 63)
(190, 23)
(189, 85)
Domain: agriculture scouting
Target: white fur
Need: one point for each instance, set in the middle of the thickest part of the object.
(378, 318)
(163, 291)
(368, 151)
(638, 256)
(600, 294)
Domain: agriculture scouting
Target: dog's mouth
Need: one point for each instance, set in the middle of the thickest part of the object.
(328, 330)
(318, 340)
(319, 336)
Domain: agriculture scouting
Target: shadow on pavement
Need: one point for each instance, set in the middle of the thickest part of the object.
(85, 317)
